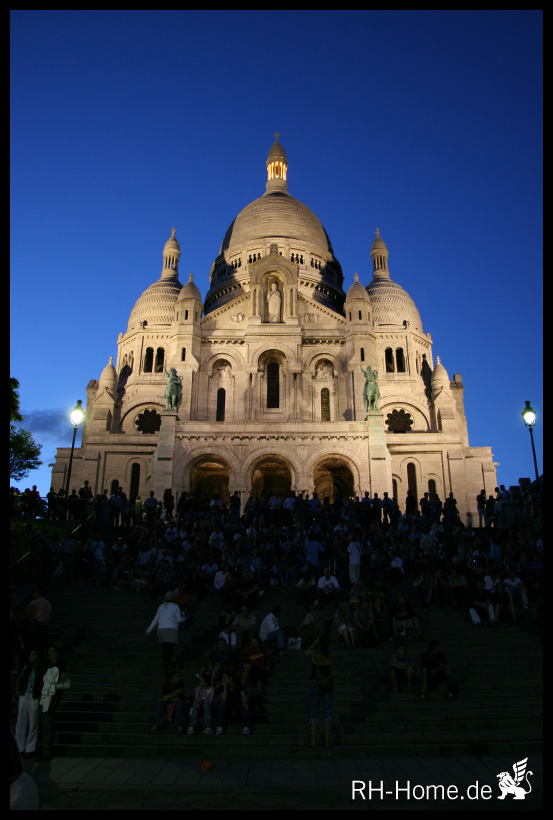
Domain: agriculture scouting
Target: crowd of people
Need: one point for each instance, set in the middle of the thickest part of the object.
(361, 569)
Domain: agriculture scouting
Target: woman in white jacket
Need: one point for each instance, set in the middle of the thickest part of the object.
(55, 681)
(167, 620)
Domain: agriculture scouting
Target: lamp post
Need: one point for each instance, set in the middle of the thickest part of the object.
(77, 416)
(529, 416)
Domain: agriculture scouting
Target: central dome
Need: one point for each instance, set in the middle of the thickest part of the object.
(276, 215)
(276, 219)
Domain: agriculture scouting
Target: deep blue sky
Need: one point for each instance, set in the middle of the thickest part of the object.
(427, 124)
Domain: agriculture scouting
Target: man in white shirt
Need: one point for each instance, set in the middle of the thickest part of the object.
(270, 631)
(354, 552)
(516, 590)
(326, 588)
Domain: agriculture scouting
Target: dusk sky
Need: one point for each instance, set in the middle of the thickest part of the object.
(427, 124)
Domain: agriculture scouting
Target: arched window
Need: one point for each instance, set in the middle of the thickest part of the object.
(362, 354)
(412, 479)
(160, 358)
(135, 481)
(273, 392)
(325, 404)
(394, 489)
(400, 360)
(389, 354)
(431, 489)
(114, 486)
(221, 399)
(149, 360)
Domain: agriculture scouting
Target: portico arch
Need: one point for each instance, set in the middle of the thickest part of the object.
(210, 474)
(333, 477)
(268, 474)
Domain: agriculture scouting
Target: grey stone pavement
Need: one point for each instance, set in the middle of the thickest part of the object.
(323, 781)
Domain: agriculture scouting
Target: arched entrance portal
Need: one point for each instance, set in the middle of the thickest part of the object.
(332, 478)
(210, 476)
(269, 475)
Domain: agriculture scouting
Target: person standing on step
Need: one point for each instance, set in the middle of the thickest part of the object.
(167, 620)
(54, 682)
(27, 689)
(321, 688)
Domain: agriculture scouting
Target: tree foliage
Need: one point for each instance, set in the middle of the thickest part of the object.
(24, 451)
(15, 415)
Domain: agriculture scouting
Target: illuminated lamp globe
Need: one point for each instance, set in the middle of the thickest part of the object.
(529, 415)
(77, 414)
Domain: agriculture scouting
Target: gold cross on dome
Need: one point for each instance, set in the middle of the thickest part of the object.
(277, 135)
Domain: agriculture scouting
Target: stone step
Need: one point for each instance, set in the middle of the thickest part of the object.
(385, 709)
(116, 681)
(169, 743)
(352, 724)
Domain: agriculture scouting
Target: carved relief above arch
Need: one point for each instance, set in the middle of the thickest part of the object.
(312, 357)
(273, 264)
(230, 355)
(283, 354)
(221, 370)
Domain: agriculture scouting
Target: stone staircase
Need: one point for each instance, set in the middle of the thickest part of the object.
(116, 678)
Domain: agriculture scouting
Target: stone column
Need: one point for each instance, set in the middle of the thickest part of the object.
(380, 460)
(162, 459)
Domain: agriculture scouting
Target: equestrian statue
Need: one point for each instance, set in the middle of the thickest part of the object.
(371, 391)
(173, 391)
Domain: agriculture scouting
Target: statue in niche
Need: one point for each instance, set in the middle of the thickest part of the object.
(274, 300)
(371, 391)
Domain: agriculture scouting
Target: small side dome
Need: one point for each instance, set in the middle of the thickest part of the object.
(357, 291)
(190, 291)
(440, 381)
(108, 379)
(439, 374)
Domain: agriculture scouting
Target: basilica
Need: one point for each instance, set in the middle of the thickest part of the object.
(283, 378)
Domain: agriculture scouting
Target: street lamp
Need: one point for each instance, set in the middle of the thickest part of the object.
(529, 416)
(77, 416)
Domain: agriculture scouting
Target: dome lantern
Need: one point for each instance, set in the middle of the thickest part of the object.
(171, 256)
(277, 168)
(379, 255)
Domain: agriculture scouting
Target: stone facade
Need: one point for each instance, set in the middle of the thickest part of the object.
(273, 368)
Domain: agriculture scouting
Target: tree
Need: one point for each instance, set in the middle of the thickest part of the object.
(15, 415)
(24, 451)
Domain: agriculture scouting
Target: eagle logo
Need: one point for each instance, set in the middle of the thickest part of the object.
(510, 785)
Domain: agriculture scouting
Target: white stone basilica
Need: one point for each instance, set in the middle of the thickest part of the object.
(272, 369)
